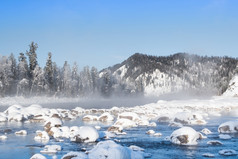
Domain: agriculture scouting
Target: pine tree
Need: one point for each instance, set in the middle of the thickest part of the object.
(23, 79)
(13, 69)
(75, 80)
(48, 71)
(32, 56)
(95, 77)
(66, 79)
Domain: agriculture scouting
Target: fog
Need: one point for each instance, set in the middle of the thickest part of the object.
(99, 102)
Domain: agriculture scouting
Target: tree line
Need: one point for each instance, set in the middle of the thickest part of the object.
(24, 77)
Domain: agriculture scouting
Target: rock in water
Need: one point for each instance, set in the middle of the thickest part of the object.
(185, 136)
(229, 127)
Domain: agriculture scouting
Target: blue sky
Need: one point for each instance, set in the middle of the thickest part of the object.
(102, 33)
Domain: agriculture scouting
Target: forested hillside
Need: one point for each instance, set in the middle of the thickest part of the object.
(139, 74)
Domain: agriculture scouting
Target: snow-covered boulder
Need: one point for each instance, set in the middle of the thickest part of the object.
(189, 118)
(90, 118)
(42, 136)
(228, 152)
(55, 132)
(185, 136)
(164, 119)
(232, 89)
(21, 132)
(110, 150)
(52, 122)
(77, 111)
(125, 123)
(3, 137)
(115, 129)
(35, 110)
(85, 134)
(229, 127)
(38, 156)
(150, 132)
(51, 149)
(206, 131)
(106, 117)
(129, 115)
(209, 155)
(214, 142)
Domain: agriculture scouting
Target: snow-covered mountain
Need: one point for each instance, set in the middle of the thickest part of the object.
(152, 75)
(232, 89)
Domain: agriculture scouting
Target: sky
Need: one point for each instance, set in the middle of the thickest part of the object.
(102, 33)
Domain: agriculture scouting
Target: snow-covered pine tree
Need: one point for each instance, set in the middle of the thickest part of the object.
(23, 78)
(66, 79)
(32, 56)
(75, 80)
(48, 71)
(13, 83)
(95, 78)
(106, 83)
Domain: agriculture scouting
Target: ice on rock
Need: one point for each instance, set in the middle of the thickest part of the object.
(38, 156)
(106, 117)
(75, 155)
(90, 118)
(85, 134)
(185, 136)
(110, 150)
(51, 149)
(224, 137)
(214, 142)
(228, 152)
(209, 155)
(206, 131)
(21, 132)
(229, 127)
(42, 136)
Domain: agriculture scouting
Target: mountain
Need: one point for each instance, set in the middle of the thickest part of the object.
(232, 89)
(181, 72)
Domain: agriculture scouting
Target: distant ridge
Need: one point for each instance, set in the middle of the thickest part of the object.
(157, 75)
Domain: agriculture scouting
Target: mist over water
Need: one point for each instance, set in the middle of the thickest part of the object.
(99, 102)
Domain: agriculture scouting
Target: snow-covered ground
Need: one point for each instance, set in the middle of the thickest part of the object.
(191, 128)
